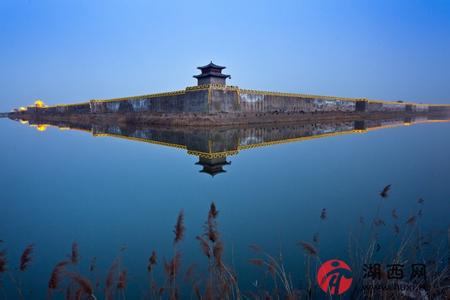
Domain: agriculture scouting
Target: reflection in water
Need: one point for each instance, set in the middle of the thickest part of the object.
(214, 145)
(387, 236)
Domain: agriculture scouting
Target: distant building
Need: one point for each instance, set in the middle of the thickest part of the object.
(211, 74)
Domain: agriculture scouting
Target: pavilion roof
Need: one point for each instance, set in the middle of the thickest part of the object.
(211, 65)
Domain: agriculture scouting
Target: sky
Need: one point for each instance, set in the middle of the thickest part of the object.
(69, 51)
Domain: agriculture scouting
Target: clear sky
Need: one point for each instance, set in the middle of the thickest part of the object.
(68, 51)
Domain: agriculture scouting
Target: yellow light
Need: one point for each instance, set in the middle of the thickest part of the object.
(23, 121)
(22, 108)
(39, 104)
(41, 127)
(407, 123)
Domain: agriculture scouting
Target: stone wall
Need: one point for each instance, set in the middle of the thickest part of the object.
(386, 107)
(439, 109)
(80, 108)
(220, 99)
(273, 102)
(176, 102)
(224, 100)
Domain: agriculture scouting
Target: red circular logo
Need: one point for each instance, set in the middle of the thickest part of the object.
(334, 277)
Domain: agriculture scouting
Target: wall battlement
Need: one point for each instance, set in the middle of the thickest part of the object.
(213, 99)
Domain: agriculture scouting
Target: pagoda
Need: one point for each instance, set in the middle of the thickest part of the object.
(211, 74)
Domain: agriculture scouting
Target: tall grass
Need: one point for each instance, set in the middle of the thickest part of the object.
(397, 239)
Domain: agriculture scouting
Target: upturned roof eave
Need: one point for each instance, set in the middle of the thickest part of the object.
(212, 75)
(211, 65)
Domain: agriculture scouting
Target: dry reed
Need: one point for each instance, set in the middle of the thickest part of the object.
(385, 192)
(56, 275)
(3, 261)
(309, 249)
(25, 258)
(152, 261)
(179, 228)
(84, 286)
(75, 254)
(122, 282)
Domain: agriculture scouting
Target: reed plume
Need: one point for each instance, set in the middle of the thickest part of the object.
(25, 258)
(308, 248)
(385, 192)
(222, 283)
(84, 285)
(213, 212)
(379, 222)
(122, 282)
(211, 224)
(75, 254)
(110, 279)
(396, 229)
(3, 261)
(411, 220)
(271, 267)
(394, 214)
(152, 261)
(256, 262)
(55, 277)
(212, 233)
(204, 246)
(316, 238)
(93, 264)
(179, 228)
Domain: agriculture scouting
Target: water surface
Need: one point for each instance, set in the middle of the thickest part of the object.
(106, 192)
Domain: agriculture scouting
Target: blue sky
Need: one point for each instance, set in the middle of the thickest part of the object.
(69, 51)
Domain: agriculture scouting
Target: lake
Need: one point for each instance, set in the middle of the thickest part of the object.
(116, 192)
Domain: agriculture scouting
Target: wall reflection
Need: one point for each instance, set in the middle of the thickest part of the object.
(213, 145)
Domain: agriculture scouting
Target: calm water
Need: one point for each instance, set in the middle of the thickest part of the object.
(105, 192)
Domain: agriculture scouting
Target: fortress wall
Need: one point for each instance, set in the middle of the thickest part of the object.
(439, 108)
(62, 109)
(176, 102)
(421, 108)
(386, 107)
(223, 100)
(266, 102)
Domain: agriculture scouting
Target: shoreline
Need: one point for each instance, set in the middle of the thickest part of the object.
(218, 119)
